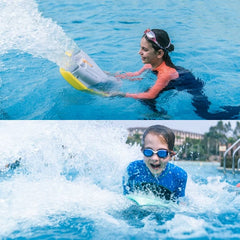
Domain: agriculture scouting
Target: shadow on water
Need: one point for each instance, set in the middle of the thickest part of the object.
(136, 215)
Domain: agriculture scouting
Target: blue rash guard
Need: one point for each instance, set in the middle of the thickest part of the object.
(169, 185)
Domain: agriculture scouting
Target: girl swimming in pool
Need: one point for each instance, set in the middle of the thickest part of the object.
(154, 52)
(154, 174)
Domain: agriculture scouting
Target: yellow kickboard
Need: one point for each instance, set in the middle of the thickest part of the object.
(68, 76)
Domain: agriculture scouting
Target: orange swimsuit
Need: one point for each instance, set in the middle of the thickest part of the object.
(164, 75)
(181, 79)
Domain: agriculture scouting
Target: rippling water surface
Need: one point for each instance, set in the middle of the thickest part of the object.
(35, 35)
(68, 186)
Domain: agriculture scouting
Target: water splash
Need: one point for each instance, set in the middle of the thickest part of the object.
(73, 169)
(22, 27)
(67, 168)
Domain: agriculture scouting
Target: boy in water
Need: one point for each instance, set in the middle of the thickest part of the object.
(155, 174)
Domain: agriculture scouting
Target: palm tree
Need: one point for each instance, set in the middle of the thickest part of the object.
(236, 132)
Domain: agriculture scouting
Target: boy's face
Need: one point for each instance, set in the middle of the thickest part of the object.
(155, 164)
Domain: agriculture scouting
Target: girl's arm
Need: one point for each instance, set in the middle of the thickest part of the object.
(133, 74)
(153, 91)
(162, 81)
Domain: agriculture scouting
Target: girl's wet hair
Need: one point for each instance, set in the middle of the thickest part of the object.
(164, 40)
(165, 132)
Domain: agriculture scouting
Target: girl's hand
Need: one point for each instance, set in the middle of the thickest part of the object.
(117, 94)
(125, 75)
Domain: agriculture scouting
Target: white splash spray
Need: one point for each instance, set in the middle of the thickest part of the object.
(22, 27)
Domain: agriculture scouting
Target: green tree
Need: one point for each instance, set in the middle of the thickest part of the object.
(217, 135)
(192, 149)
(236, 131)
(135, 138)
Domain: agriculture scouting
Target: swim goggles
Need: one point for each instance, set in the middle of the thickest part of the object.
(162, 153)
(152, 37)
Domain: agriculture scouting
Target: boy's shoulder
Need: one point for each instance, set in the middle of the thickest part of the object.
(136, 166)
(136, 163)
(176, 170)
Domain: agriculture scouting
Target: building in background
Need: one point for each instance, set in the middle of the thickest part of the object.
(180, 136)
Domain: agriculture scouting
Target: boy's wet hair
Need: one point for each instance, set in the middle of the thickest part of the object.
(165, 132)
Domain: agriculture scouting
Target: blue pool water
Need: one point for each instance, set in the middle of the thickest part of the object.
(68, 186)
(35, 34)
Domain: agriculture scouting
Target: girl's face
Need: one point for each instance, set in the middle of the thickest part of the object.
(155, 164)
(149, 55)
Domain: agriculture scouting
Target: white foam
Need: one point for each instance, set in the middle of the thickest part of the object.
(23, 27)
(41, 187)
(75, 168)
